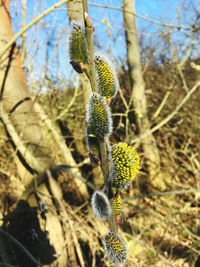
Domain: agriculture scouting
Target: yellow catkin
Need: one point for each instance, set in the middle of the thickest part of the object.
(98, 116)
(115, 248)
(106, 76)
(126, 165)
(77, 44)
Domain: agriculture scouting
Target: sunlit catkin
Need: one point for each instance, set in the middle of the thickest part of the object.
(98, 116)
(126, 164)
(115, 248)
(106, 76)
(77, 48)
(101, 205)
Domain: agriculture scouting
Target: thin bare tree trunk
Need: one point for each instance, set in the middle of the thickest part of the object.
(138, 98)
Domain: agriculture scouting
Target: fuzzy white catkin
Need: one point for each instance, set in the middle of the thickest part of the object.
(100, 205)
(77, 48)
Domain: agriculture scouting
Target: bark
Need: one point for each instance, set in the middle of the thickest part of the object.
(151, 153)
(75, 10)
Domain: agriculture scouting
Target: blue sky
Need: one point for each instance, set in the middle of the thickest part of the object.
(53, 29)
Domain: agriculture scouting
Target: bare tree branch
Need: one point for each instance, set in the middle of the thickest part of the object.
(142, 17)
(35, 20)
(170, 116)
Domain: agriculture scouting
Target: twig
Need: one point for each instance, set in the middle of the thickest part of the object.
(92, 77)
(167, 193)
(104, 159)
(80, 164)
(158, 110)
(90, 72)
(170, 116)
(28, 26)
(123, 99)
(142, 17)
(72, 100)
(179, 67)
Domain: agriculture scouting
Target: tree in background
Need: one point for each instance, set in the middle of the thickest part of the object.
(138, 98)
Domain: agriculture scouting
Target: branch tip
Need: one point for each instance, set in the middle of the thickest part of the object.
(88, 22)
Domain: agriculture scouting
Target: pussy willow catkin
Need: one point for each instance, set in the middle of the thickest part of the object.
(115, 248)
(101, 205)
(126, 164)
(77, 48)
(98, 116)
(106, 76)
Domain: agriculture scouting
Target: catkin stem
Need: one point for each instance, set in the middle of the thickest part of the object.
(104, 159)
(90, 72)
(112, 224)
(105, 171)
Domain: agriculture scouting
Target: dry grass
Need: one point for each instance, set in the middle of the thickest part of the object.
(160, 229)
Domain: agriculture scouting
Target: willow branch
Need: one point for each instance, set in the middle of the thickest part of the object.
(90, 72)
(104, 159)
(92, 77)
